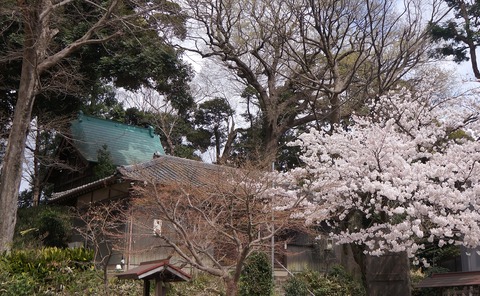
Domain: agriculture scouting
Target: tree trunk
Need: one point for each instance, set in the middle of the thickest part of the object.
(217, 136)
(388, 274)
(359, 257)
(11, 174)
(272, 137)
(473, 59)
(105, 273)
(36, 191)
(232, 287)
(232, 135)
(334, 109)
(470, 39)
(36, 37)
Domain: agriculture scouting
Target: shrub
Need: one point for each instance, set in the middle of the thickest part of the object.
(42, 226)
(54, 227)
(54, 271)
(104, 166)
(256, 278)
(201, 285)
(42, 270)
(337, 283)
(18, 284)
(295, 286)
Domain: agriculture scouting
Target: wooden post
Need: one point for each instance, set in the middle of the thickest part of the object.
(159, 289)
(146, 287)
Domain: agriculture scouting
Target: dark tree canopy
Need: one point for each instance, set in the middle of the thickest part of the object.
(213, 119)
(458, 37)
(144, 59)
(87, 79)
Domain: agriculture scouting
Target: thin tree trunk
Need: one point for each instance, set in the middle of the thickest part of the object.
(232, 287)
(36, 170)
(216, 134)
(105, 274)
(473, 58)
(11, 174)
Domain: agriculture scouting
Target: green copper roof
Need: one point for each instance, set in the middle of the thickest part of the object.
(127, 144)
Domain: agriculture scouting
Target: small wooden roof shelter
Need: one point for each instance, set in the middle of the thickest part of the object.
(161, 271)
(468, 280)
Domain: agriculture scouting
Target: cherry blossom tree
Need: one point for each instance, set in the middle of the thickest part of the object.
(406, 174)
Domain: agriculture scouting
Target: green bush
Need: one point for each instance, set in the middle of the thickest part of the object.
(256, 278)
(18, 284)
(337, 283)
(54, 228)
(295, 286)
(104, 166)
(42, 226)
(54, 271)
(201, 285)
(42, 270)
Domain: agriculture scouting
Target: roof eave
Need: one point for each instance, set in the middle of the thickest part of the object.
(77, 191)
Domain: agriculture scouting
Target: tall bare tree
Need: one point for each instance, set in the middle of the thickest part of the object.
(350, 51)
(40, 22)
(307, 60)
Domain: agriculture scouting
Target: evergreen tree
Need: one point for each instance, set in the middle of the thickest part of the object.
(104, 166)
(460, 35)
(256, 277)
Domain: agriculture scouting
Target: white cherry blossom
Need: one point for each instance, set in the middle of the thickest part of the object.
(410, 170)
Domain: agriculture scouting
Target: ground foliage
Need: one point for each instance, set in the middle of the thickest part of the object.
(336, 283)
(56, 271)
(202, 284)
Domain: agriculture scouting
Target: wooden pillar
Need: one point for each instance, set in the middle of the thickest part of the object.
(146, 287)
(160, 290)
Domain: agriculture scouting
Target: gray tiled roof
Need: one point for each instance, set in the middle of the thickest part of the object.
(170, 169)
(82, 189)
(164, 170)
